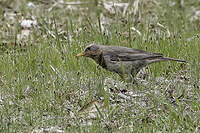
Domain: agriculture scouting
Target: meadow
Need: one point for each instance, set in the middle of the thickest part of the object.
(44, 87)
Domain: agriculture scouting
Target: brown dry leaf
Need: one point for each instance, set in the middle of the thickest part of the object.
(90, 109)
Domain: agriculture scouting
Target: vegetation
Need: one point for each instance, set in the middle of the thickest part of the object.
(45, 88)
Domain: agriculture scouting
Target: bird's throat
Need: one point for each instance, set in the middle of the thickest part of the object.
(100, 60)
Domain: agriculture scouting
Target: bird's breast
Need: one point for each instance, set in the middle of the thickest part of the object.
(101, 61)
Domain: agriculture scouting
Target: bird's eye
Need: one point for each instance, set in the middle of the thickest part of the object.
(88, 49)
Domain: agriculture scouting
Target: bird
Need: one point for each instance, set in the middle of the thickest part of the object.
(122, 60)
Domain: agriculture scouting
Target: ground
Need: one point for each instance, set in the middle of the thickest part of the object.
(45, 88)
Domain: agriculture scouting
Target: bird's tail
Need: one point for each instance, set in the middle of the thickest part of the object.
(165, 59)
(173, 59)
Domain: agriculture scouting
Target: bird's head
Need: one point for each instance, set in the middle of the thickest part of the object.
(92, 51)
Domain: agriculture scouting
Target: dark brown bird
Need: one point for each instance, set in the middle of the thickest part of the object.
(122, 60)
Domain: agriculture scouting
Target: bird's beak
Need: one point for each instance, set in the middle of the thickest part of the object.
(81, 54)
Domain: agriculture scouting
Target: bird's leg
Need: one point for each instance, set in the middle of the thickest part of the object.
(133, 74)
(131, 82)
(126, 78)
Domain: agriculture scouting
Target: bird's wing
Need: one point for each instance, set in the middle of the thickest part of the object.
(129, 54)
(133, 57)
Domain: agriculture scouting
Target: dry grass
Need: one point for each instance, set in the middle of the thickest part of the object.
(44, 88)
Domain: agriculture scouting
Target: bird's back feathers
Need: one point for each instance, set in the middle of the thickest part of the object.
(118, 53)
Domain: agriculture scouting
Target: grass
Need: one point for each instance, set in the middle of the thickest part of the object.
(43, 84)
